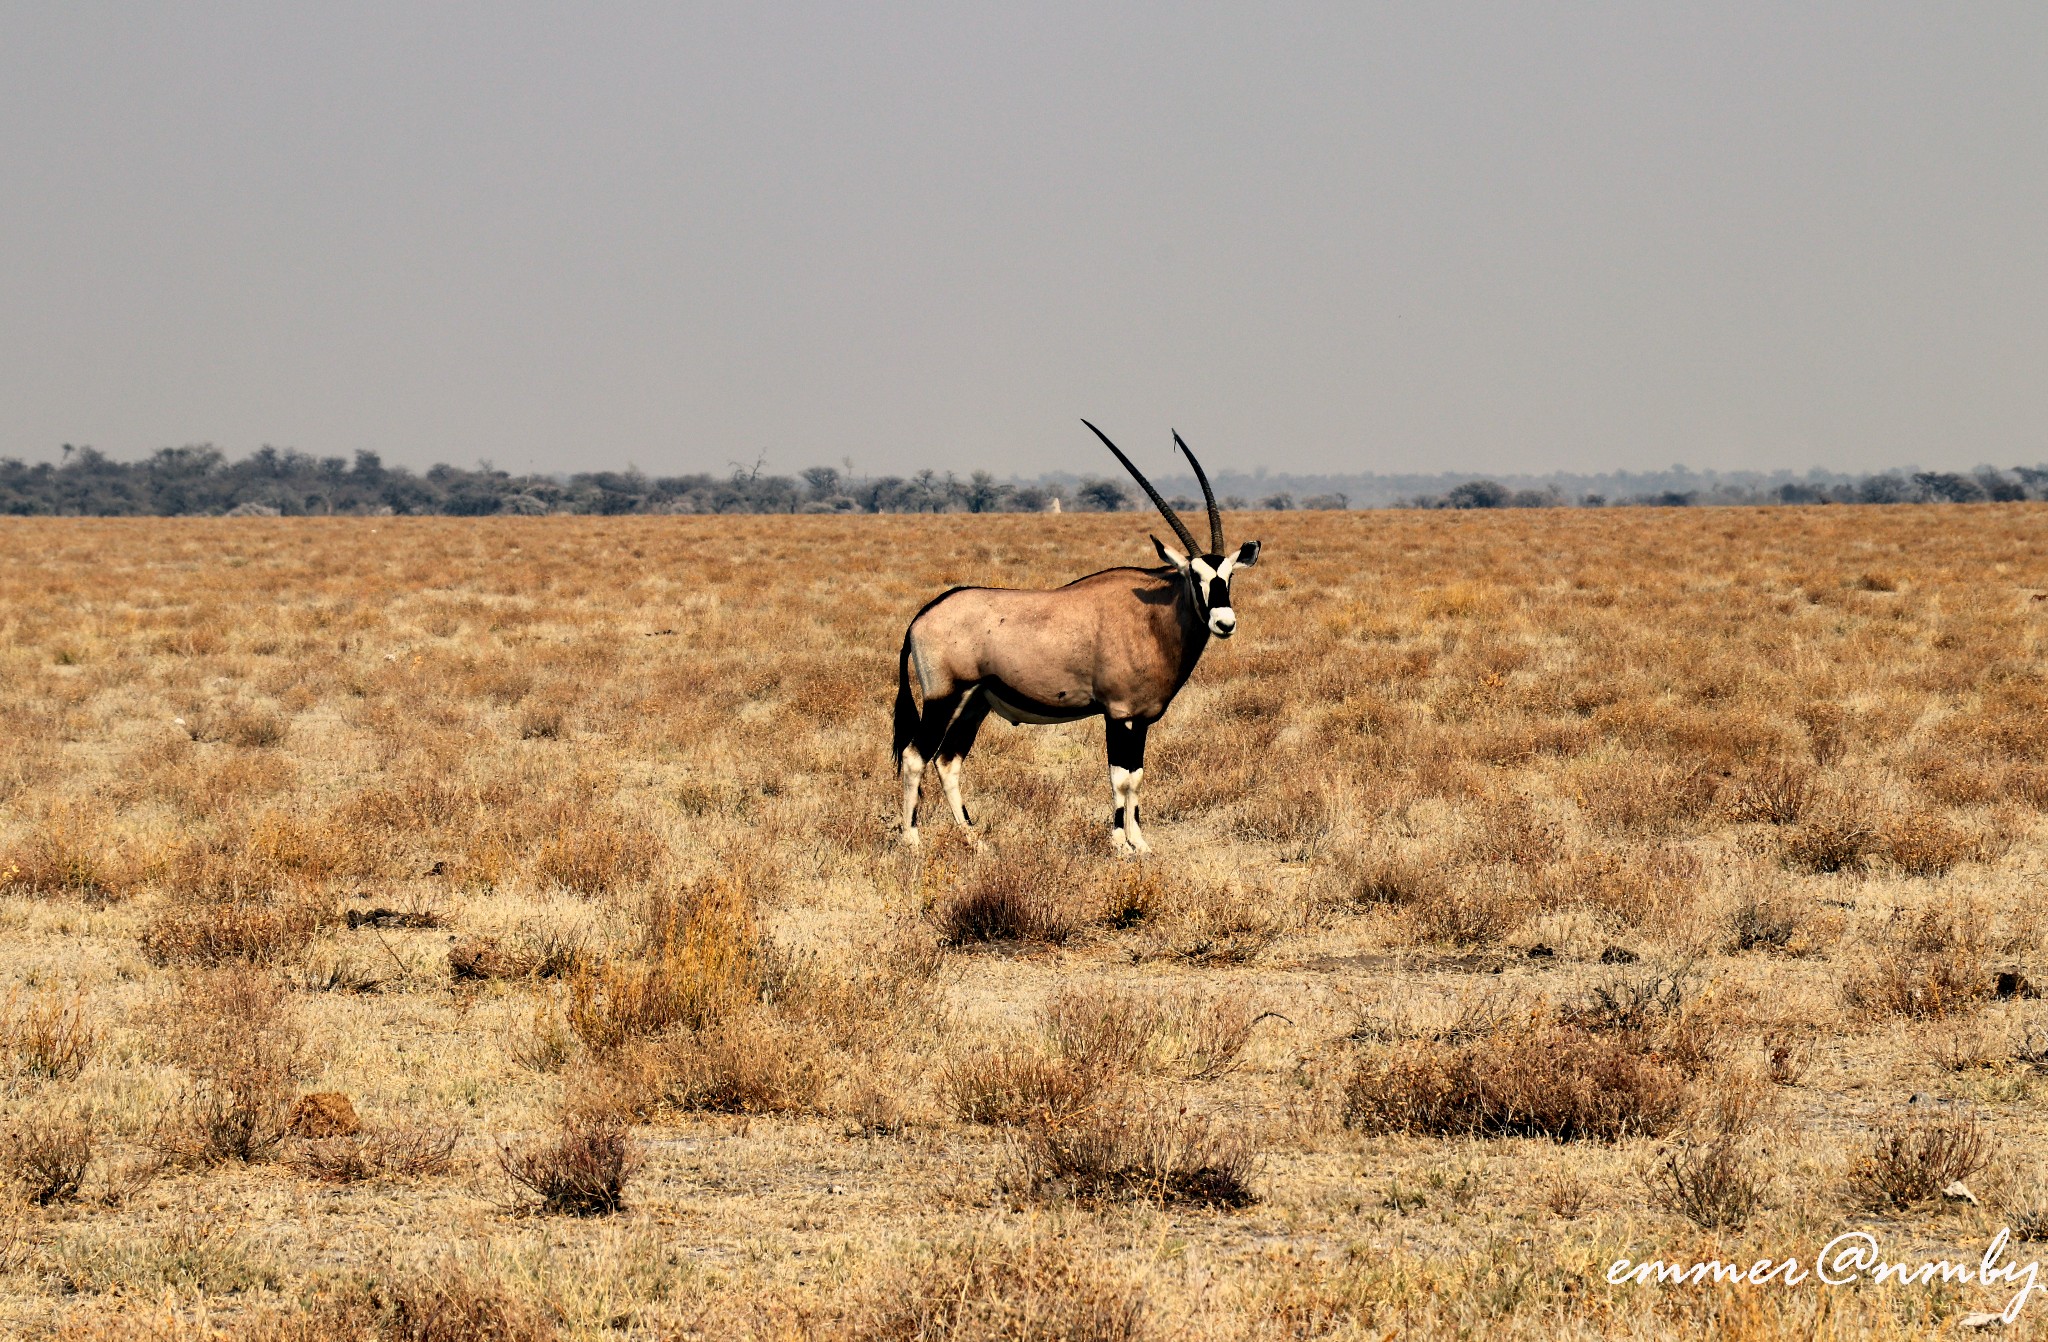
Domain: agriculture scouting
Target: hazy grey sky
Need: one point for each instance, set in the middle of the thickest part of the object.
(1333, 238)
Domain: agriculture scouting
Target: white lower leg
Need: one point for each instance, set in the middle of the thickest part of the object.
(912, 768)
(1124, 821)
(1132, 833)
(949, 779)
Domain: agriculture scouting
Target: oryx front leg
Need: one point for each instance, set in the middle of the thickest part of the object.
(1126, 740)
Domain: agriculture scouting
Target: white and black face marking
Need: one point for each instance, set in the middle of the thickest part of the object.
(1209, 577)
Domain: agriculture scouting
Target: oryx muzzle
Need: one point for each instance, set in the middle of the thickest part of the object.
(1119, 643)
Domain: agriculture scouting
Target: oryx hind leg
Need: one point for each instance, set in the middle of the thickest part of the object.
(953, 748)
(933, 722)
(1126, 741)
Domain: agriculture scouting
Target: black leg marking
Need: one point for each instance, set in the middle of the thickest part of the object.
(1117, 821)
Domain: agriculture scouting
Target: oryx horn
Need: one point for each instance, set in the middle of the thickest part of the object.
(1172, 519)
(1208, 495)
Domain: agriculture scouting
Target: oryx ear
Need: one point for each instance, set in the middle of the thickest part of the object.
(1248, 554)
(1173, 557)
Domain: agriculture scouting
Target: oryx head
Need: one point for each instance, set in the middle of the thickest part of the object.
(1207, 575)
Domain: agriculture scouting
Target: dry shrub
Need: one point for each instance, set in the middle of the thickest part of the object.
(1014, 1083)
(235, 1035)
(1623, 1062)
(1934, 967)
(1827, 730)
(1715, 1185)
(45, 1155)
(1776, 793)
(1648, 796)
(46, 1036)
(746, 1063)
(217, 932)
(1297, 814)
(1928, 844)
(1122, 1146)
(67, 854)
(699, 957)
(1472, 909)
(537, 951)
(1206, 1038)
(1386, 874)
(235, 724)
(1020, 898)
(1102, 1029)
(276, 849)
(994, 1289)
(542, 722)
(1222, 922)
(1787, 1057)
(1838, 839)
(1911, 1161)
(401, 1151)
(1769, 920)
(604, 853)
(580, 1171)
(451, 1304)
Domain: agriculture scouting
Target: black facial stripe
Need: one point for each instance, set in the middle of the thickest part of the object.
(1219, 593)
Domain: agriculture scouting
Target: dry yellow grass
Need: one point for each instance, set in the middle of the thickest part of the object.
(1534, 889)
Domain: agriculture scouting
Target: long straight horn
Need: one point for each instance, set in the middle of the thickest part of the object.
(1171, 519)
(1215, 518)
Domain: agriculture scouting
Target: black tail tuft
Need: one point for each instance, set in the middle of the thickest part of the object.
(906, 707)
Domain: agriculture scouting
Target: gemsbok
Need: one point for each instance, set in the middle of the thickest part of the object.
(1120, 643)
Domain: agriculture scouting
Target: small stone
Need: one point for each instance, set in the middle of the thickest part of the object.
(324, 1113)
(1959, 1192)
(1616, 955)
(1981, 1320)
(1541, 952)
(2010, 984)
(835, 1188)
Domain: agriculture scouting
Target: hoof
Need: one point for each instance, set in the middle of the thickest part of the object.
(909, 839)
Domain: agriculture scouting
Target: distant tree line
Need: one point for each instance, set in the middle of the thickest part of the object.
(1984, 485)
(201, 480)
(179, 481)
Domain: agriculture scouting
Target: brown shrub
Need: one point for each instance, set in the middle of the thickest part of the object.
(1555, 1080)
(993, 1289)
(1775, 793)
(1016, 900)
(402, 1151)
(1928, 844)
(1648, 796)
(1384, 874)
(1714, 1185)
(1932, 967)
(236, 724)
(1769, 921)
(747, 1063)
(1476, 910)
(1125, 1147)
(1014, 1083)
(603, 854)
(452, 1304)
(699, 958)
(1923, 985)
(46, 1036)
(1911, 1161)
(45, 1155)
(540, 952)
(580, 1171)
(67, 854)
(234, 1034)
(1838, 840)
(212, 933)
(1102, 1029)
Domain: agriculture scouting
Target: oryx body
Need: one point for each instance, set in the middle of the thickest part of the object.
(1119, 643)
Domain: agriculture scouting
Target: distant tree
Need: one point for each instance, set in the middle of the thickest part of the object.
(822, 482)
(1101, 496)
(1277, 503)
(1478, 494)
(1328, 503)
(1950, 487)
(984, 494)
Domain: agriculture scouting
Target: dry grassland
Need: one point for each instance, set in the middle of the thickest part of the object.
(438, 929)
